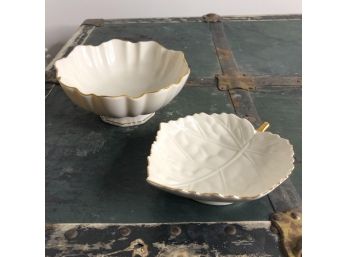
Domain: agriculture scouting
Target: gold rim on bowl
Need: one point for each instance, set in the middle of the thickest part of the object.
(127, 96)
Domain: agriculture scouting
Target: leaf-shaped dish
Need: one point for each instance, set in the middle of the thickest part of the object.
(218, 159)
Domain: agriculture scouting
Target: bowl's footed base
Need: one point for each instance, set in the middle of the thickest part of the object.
(128, 121)
(213, 203)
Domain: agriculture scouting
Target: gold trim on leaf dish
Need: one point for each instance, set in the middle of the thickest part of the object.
(183, 127)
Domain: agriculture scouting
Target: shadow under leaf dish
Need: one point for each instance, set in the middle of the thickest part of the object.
(123, 82)
(218, 159)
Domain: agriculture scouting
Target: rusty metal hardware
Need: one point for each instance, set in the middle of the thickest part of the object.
(125, 231)
(238, 81)
(94, 22)
(289, 225)
(71, 234)
(211, 17)
(277, 80)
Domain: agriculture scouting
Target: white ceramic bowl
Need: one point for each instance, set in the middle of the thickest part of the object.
(218, 159)
(123, 82)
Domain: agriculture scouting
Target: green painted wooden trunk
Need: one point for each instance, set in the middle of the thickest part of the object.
(95, 172)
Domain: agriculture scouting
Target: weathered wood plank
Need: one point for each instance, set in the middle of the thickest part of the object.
(248, 239)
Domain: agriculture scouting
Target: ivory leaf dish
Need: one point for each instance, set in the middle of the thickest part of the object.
(123, 82)
(218, 159)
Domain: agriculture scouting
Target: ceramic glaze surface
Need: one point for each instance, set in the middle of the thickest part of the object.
(120, 79)
(218, 158)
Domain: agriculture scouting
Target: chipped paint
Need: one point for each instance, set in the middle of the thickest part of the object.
(59, 240)
(163, 240)
(244, 242)
(184, 250)
(251, 225)
(137, 247)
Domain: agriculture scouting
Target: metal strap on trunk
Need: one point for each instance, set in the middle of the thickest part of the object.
(238, 85)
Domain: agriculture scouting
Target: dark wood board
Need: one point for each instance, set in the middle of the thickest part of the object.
(247, 239)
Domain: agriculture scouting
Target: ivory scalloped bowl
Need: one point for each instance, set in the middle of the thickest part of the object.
(123, 82)
(218, 159)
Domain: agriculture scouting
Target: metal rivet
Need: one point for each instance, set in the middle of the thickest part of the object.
(175, 230)
(71, 234)
(230, 230)
(125, 231)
